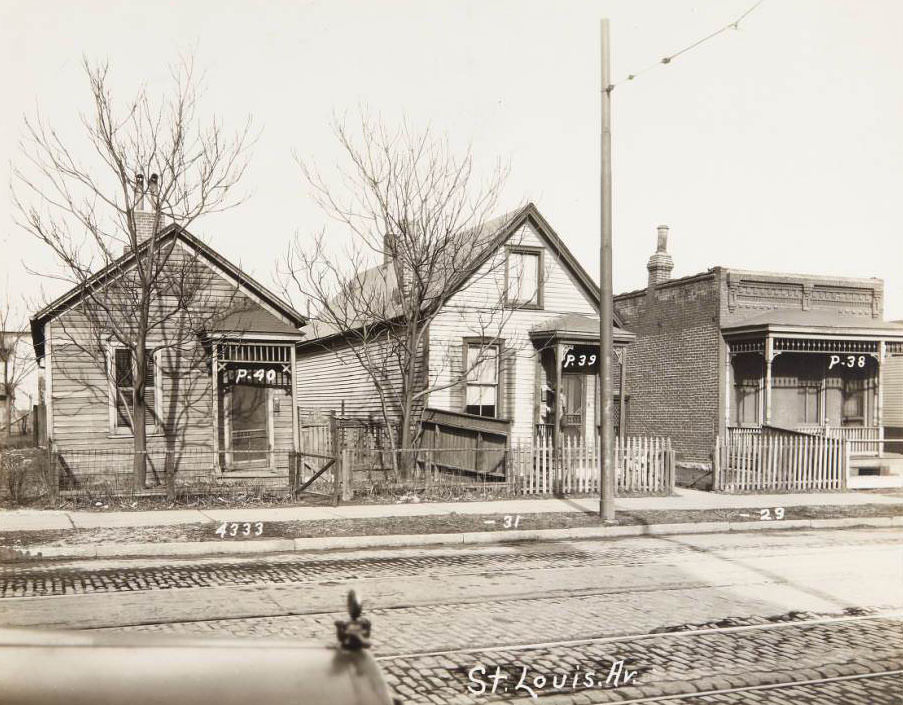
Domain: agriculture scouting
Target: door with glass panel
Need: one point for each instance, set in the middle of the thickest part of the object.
(249, 426)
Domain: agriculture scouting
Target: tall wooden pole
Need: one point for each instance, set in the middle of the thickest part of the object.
(606, 432)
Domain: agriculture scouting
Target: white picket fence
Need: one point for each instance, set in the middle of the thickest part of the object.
(642, 466)
(752, 463)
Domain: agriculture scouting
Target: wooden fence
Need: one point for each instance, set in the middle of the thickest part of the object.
(642, 466)
(791, 462)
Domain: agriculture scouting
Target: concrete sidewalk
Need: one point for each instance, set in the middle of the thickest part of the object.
(684, 499)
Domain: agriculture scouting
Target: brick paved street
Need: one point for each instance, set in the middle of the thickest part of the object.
(36, 579)
(438, 613)
(666, 664)
(878, 690)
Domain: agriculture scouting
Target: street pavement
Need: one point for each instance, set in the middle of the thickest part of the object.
(777, 617)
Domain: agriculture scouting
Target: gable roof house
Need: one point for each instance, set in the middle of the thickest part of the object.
(220, 382)
(510, 350)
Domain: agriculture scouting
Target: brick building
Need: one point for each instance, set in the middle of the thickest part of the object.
(727, 349)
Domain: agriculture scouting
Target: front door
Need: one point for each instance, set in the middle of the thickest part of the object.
(249, 428)
(572, 406)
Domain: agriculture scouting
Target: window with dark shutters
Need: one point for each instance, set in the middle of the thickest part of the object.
(124, 380)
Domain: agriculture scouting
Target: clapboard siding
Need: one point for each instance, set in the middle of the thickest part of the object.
(80, 390)
(474, 312)
(331, 378)
(327, 377)
(893, 391)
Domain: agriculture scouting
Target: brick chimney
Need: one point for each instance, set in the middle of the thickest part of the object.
(145, 206)
(660, 264)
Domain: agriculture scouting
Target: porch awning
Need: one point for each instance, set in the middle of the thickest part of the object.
(251, 323)
(576, 327)
(817, 324)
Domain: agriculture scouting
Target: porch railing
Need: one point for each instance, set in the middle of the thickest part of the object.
(862, 440)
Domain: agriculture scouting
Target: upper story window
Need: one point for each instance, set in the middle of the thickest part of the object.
(122, 390)
(482, 393)
(523, 277)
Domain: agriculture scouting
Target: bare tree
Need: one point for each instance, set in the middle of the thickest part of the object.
(91, 204)
(17, 364)
(419, 221)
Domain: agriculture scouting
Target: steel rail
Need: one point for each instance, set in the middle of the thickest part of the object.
(764, 686)
(892, 614)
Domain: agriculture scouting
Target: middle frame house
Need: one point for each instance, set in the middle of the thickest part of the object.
(502, 351)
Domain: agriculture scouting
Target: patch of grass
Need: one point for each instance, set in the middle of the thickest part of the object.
(442, 524)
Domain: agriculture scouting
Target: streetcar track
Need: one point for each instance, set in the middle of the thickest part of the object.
(642, 636)
(764, 686)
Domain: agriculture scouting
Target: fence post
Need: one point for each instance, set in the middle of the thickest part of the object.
(845, 470)
(337, 455)
(716, 466)
(53, 474)
(672, 461)
(347, 476)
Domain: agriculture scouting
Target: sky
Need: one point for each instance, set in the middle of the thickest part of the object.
(775, 147)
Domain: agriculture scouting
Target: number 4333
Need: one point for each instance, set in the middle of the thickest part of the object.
(236, 529)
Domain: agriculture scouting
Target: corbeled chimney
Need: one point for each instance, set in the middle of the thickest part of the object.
(660, 264)
(145, 206)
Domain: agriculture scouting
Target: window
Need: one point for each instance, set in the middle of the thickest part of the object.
(523, 277)
(122, 390)
(481, 396)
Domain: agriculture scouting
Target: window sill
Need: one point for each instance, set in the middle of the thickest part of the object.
(249, 473)
(523, 307)
(148, 434)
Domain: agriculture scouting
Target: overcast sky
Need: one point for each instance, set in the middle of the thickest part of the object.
(775, 147)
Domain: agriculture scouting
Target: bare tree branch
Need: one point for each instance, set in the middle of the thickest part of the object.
(419, 220)
(90, 203)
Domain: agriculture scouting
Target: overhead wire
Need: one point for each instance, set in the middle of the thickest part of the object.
(664, 61)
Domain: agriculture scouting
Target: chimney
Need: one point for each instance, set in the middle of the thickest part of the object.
(389, 252)
(660, 264)
(145, 206)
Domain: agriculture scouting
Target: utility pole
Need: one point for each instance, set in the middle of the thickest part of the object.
(606, 432)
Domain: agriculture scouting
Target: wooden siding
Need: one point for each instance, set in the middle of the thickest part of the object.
(892, 413)
(328, 376)
(465, 316)
(332, 378)
(79, 394)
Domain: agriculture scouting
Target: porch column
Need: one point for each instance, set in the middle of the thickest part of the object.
(294, 402)
(728, 374)
(879, 403)
(769, 356)
(556, 433)
(214, 385)
(622, 426)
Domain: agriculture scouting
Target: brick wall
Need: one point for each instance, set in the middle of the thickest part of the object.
(673, 366)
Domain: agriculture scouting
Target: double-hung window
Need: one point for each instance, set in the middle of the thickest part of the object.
(523, 277)
(482, 379)
(123, 390)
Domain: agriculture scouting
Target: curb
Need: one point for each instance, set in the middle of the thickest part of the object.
(224, 548)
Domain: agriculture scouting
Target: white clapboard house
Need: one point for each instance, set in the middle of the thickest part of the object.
(537, 346)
